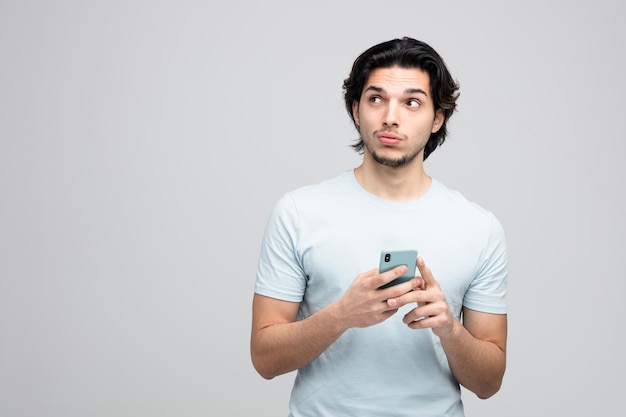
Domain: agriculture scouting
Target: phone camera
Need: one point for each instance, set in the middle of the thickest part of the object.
(387, 257)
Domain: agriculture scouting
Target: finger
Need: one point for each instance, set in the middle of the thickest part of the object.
(426, 274)
(387, 277)
(405, 293)
(422, 312)
(421, 323)
(418, 283)
(416, 314)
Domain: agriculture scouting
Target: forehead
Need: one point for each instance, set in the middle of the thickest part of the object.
(398, 79)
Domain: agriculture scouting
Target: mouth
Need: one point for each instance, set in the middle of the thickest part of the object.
(388, 139)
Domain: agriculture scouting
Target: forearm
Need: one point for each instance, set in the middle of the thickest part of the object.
(478, 365)
(284, 347)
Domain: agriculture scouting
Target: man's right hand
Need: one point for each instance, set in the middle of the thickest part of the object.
(365, 304)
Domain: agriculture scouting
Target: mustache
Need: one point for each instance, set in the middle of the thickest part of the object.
(389, 130)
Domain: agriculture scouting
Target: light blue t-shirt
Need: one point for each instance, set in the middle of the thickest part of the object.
(320, 237)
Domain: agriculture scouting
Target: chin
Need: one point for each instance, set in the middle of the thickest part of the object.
(394, 162)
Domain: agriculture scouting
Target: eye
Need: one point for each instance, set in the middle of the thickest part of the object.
(413, 103)
(375, 99)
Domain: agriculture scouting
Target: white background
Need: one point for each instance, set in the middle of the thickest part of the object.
(143, 144)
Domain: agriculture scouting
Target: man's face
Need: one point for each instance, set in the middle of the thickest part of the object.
(396, 115)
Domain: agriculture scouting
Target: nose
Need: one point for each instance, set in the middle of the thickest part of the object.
(391, 116)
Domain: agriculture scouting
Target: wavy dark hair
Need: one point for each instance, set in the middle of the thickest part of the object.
(405, 53)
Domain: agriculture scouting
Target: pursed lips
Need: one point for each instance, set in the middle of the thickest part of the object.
(388, 138)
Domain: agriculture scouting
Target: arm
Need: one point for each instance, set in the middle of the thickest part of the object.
(476, 349)
(279, 343)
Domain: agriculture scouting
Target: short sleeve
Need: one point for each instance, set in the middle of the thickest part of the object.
(487, 291)
(279, 272)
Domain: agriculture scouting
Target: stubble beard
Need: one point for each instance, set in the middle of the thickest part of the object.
(391, 162)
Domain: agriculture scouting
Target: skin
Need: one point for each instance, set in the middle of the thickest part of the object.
(395, 117)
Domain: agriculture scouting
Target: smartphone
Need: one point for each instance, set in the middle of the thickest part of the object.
(390, 259)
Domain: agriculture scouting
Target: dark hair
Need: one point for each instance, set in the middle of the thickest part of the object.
(405, 53)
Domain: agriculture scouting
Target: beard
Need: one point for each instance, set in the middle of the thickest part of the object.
(392, 162)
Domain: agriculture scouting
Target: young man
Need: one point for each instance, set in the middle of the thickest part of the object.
(318, 308)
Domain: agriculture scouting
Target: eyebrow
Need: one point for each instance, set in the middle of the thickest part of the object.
(408, 91)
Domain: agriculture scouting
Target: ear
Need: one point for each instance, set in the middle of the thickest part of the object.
(355, 112)
(438, 122)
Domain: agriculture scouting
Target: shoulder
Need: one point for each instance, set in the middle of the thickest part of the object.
(457, 200)
(320, 192)
(333, 185)
(455, 204)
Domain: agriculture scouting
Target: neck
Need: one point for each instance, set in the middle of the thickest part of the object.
(401, 184)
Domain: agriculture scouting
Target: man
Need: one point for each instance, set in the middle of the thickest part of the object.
(318, 308)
